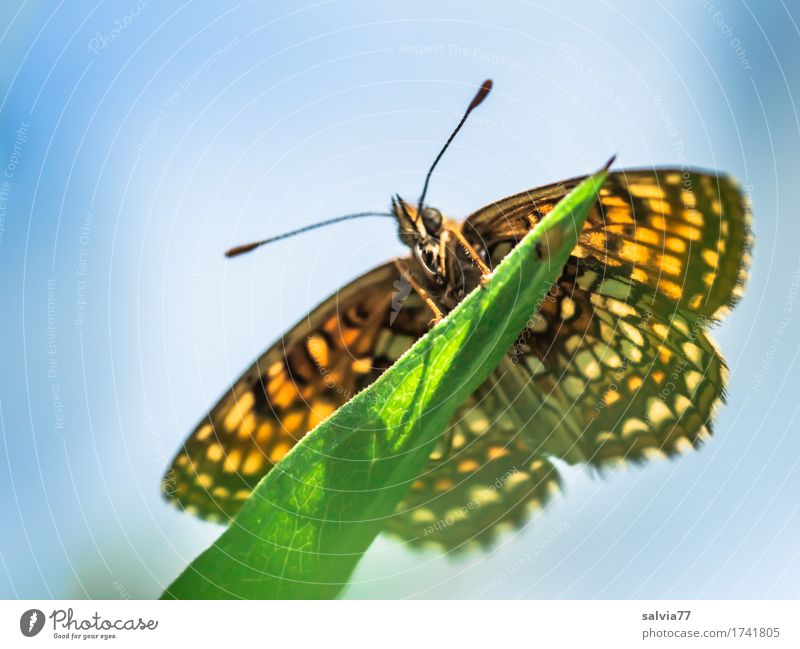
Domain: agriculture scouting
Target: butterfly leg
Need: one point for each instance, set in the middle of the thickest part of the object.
(476, 258)
(437, 313)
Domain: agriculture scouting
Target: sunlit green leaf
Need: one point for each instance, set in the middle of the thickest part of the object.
(309, 521)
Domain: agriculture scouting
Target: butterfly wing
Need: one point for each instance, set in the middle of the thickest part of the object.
(617, 375)
(685, 234)
(489, 480)
(604, 374)
(619, 346)
(597, 379)
(337, 350)
(616, 365)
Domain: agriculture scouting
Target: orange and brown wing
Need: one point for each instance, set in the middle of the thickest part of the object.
(604, 374)
(684, 234)
(333, 353)
(489, 480)
(616, 365)
(607, 374)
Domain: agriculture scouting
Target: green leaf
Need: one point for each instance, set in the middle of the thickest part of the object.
(309, 521)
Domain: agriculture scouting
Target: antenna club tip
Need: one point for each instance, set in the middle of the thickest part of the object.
(610, 162)
(240, 250)
(482, 93)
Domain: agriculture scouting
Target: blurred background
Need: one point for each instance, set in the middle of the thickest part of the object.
(141, 139)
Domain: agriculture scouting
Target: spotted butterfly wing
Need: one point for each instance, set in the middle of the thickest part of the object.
(684, 234)
(618, 375)
(337, 350)
(615, 366)
(620, 345)
(340, 348)
(596, 380)
(490, 480)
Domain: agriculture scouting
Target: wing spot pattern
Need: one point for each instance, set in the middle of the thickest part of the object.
(239, 408)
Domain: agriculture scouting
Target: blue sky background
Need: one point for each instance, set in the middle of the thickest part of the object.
(143, 140)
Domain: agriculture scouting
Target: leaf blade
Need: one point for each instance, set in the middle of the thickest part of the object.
(308, 522)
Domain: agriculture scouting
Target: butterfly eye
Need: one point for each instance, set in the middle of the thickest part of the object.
(432, 220)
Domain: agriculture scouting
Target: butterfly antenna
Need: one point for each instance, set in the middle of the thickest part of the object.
(477, 100)
(240, 250)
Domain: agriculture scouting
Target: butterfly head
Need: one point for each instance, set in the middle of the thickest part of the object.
(419, 229)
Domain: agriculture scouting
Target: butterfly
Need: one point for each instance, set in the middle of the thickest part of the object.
(616, 365)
